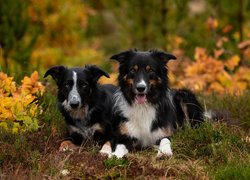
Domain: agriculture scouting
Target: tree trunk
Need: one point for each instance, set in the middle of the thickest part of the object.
(241, 19)
(164, 12)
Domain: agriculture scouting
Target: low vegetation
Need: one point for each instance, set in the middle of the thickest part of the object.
(218, 149)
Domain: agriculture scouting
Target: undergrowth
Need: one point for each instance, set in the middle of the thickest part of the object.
(214, 150)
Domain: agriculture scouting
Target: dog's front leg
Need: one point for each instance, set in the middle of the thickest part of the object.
(119, 151)
(71, 142)
(124, 144)
(67, 145)
(164, 148)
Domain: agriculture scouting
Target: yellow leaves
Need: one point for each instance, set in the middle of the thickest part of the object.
(224, 79)
(216, 87)
(243, 74)
(177, 41)
(17, 105)
(47, 56)
(200, 54)
(5, 109)
(232, 62)
(212, 23)
(71, 16)
(31, 85)
(111, 80)
(211, 74)
(7, 86)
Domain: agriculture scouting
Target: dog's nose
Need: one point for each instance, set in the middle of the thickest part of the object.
(140, 88)
(74, 104)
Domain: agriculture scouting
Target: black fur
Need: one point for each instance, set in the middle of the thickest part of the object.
(93, 111)
(173, 107)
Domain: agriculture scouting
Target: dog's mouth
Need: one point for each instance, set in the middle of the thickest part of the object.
(141, 98)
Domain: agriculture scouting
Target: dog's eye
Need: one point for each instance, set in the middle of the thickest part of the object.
(150, 70)
(69, 83)
(82, 84)
(132, 70)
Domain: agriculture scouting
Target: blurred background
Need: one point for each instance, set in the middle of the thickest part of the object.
(210, 38)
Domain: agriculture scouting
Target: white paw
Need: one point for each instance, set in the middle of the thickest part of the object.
(120, 151)
(165, 148)
(106, 149)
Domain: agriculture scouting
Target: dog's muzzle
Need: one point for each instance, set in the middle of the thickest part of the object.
(141, 88)
(141, 91)
(74, 101)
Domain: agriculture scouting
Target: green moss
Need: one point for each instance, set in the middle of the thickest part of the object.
(115, 162)
(233, 171)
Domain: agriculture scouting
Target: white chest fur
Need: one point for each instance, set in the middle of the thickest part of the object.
(140, 119)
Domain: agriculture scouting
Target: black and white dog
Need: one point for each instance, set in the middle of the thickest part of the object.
(147, 112)
(85, 105)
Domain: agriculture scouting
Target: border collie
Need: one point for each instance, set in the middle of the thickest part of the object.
(85, 105)
(146, 111)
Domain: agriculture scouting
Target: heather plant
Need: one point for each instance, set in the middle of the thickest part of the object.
(19, 107)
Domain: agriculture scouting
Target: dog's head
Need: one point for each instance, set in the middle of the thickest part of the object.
(143, 74)
(75, 85)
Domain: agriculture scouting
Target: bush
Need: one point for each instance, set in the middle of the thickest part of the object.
(19, 106)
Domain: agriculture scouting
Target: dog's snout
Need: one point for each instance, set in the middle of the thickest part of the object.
(140, 88)
(74, 104)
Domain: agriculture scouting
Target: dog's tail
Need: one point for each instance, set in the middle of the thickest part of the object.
(220, 115)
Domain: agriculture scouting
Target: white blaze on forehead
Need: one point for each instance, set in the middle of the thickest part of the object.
(74, 94)
(80, 112)
(142, 83)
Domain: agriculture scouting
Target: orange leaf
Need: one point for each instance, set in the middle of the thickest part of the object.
(219, 52)
(111, 80)
(212, 23)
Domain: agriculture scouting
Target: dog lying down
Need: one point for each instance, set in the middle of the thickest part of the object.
(143, 112)
(147, 111)
(85, 105)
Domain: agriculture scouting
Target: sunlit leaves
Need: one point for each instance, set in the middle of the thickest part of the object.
(63, 38)
(111, 80)
(232, 62)
(211, 74)
(7, 86)
(31, 85)
(18, 107)
(212, 23)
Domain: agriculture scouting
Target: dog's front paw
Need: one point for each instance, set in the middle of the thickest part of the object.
(67, 146)
(106, 149)
(120, 151)
(164, 148)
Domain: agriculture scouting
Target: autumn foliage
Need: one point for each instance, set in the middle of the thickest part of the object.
(18, 108)
(212, 50)
(211, 73)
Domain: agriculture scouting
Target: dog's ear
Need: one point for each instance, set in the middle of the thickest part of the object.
(96, 72)
(162, 56)
(57, 73)
(122, 56)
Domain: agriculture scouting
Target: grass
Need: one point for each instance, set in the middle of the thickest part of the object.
(215, 150)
